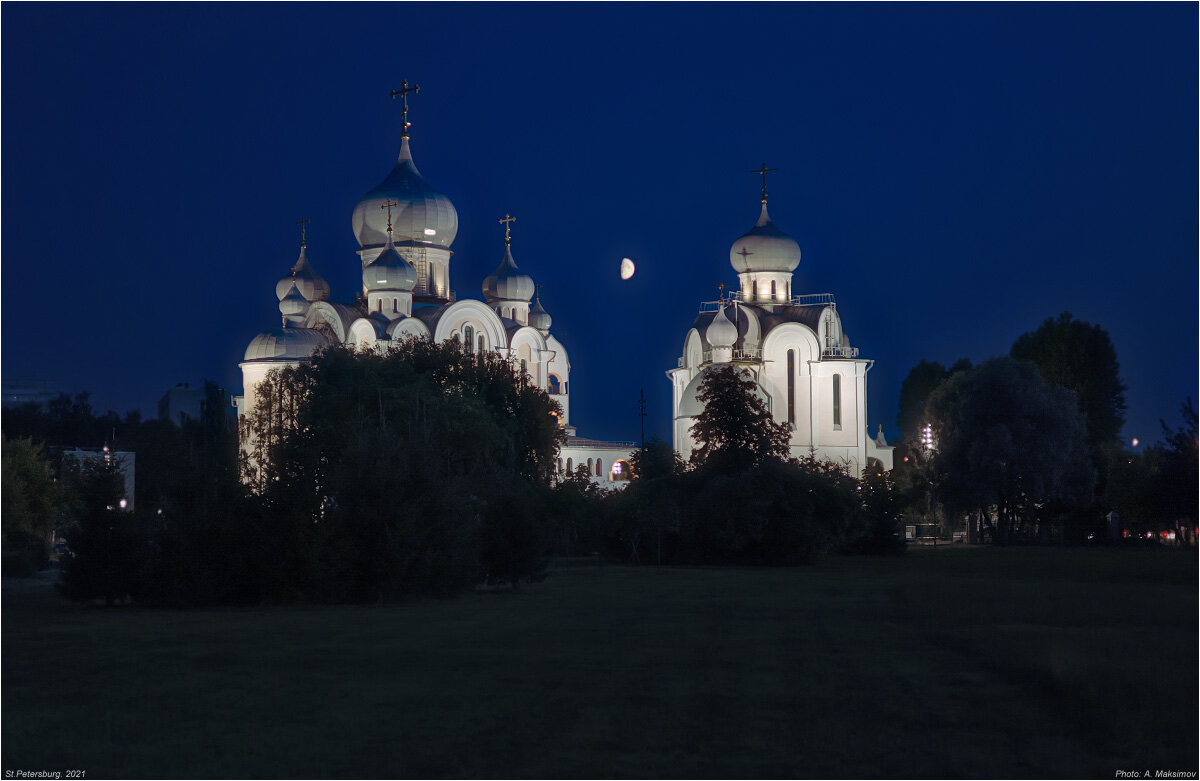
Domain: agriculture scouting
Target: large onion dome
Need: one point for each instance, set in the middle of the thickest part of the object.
(285, 344)
(389, 272)
(421, 215)
(764, 248)
(507, 282)
(307, 281)
(539, 318)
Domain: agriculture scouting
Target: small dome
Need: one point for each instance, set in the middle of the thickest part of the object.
(310, 285)
(389, 271)
(690, 406)
(421, 215)
(764, 248)
(539, 318)
(721, 332)
(285, 344)
(507, 282)
(293, 306)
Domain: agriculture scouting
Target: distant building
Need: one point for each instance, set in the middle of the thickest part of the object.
(18, 393)
(124, 461)
(792, 346)
(405, 228)
(181, 401)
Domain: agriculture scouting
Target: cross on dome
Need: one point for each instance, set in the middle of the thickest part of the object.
(403, 93)
(388, 204)
(507, 227)
(303, 223)
(763, 172)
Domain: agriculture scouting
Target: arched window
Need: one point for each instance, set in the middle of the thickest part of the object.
(482, 345)
(599, 469)
(589, 466)
(560, 466)
(524, 367)
(469, 337)
(837, 401)
(620, 471)
(772, 290)
(791, 385)
(754, 290)
(570, 468)
(553, 385)
(395, 305)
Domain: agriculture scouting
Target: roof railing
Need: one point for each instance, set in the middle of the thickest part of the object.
(736, 296)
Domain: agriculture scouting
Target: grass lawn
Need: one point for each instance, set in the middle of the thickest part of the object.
(961, 662)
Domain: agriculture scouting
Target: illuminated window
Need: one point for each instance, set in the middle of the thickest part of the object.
(469, 337)
(837, 401)
(482, 344)
(791, 385)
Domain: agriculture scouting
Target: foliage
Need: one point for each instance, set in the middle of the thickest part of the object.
(421, 470)
(108, 544)
(1176, 483)
(922, 380)
(735, 429)
(30, 500)
(1079, 356)
(1008, 443)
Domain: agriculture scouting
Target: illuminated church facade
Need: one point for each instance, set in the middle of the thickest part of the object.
(405, 228)
(792, 346)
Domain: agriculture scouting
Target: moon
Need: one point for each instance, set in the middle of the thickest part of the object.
(627, 268)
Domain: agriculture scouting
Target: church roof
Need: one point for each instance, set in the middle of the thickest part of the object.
(285, 344)
(421, 215)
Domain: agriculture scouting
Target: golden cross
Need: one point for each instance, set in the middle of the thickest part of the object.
(720, 291)
(303, 223)
(403, 93)
(764, 171)
(505, 222)
(388, 204)
(745, 253)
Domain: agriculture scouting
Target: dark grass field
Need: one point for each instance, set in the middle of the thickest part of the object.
(963, 662)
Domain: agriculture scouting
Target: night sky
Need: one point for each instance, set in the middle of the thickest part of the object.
(954, 174)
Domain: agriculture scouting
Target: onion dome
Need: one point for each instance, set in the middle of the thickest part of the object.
(293, 306)
(764, 248)
(389, 271)
(539, 318)
(721, 332)
(422, 214)
(285, 344)
(307, 281)
(507, 282)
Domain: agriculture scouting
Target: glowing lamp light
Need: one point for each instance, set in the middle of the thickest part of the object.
(1135, 442)
(617, 468)
(124, 504)
(430, 232)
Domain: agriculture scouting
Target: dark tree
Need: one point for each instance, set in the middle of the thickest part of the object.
(922, 380)
(1079, 356)
(1006, 443)
(1176, 494)
(31, 501)
(736, 429)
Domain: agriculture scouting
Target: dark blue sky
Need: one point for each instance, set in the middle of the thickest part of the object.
(954, 174)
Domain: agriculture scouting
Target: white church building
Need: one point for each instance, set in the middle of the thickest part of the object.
(793, 347)
(405, 229)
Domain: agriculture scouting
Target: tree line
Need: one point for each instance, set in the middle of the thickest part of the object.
(1028, 446)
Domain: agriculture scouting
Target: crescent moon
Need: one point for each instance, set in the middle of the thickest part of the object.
(627, 268)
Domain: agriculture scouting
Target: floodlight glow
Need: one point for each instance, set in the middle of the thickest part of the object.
(430, 232)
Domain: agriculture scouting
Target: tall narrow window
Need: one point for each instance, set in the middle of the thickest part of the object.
(599, 468)
(837, 401)
(469, 338)
(754, 290)
(791, 370)
(589, 466)
(772, 290)
(395, 305)
(482, 345)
